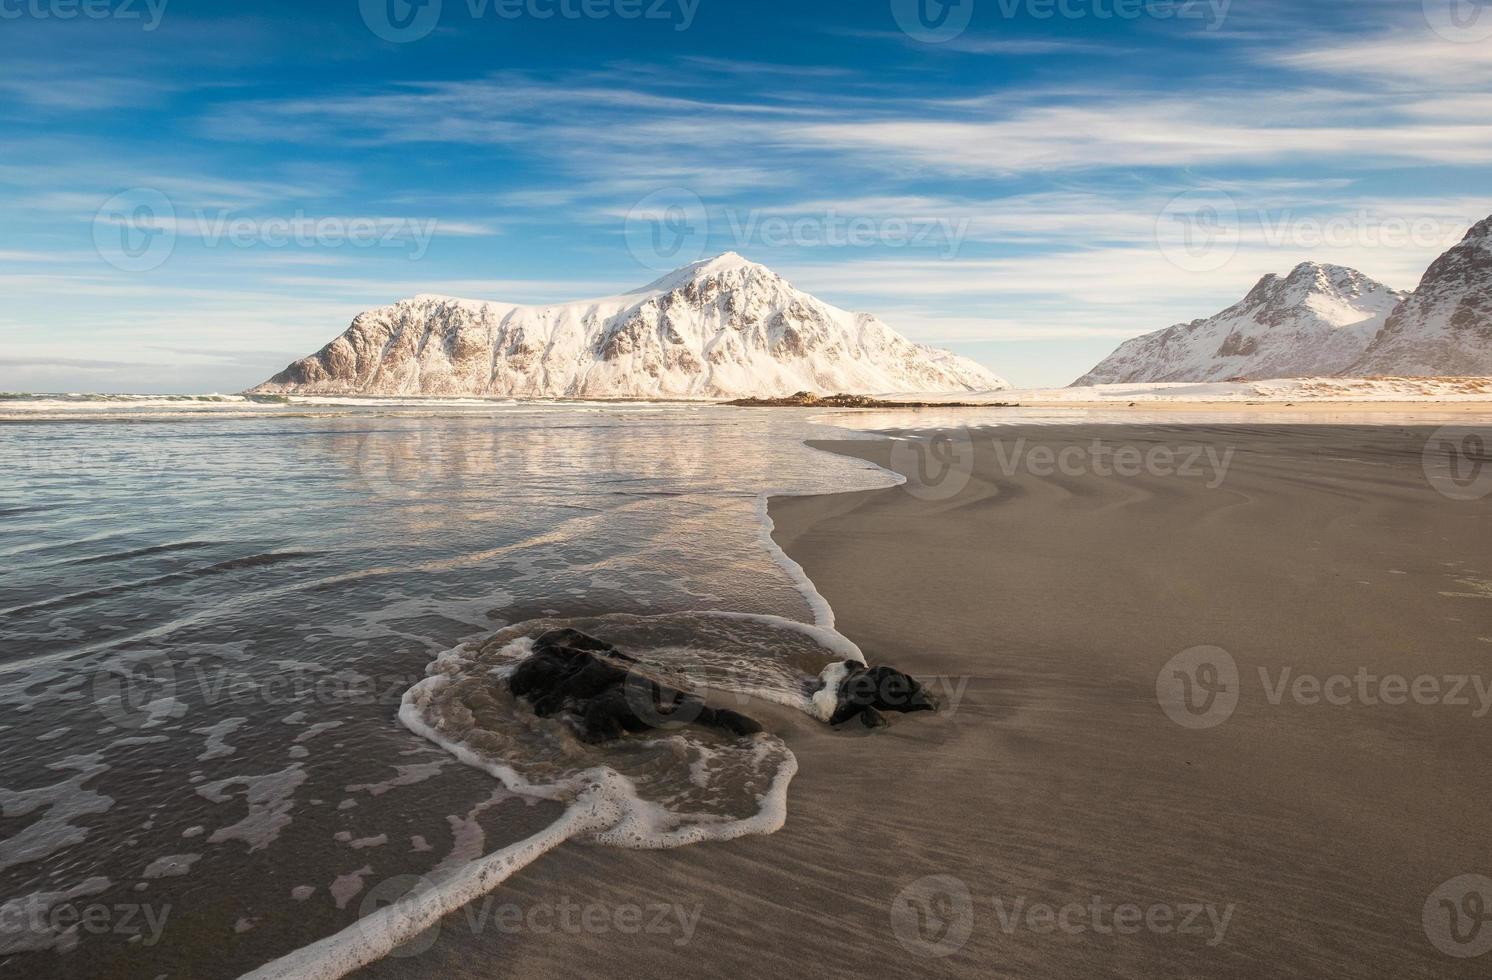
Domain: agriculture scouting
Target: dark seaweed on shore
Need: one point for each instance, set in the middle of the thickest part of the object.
(806, 399)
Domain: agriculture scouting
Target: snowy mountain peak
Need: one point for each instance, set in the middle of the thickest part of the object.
(1312, 277)
(726, 264)
(1316, 320)
(721, 328)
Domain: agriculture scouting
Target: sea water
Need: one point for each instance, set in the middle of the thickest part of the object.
(251, 659)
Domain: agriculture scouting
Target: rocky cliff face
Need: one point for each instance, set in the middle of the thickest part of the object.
(724, 328)
(1316, 321)
(1445, 328)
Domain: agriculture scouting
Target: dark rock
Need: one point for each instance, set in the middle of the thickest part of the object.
(807, 399)
(864, 690)
(607, 694)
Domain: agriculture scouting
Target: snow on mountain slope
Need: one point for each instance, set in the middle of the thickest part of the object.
(1445, 328)
(1317, 320)
(722, 328)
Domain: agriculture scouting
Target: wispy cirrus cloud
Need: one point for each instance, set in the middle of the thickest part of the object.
(1052, 160)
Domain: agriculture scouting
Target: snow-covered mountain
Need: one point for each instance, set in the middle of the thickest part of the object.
(1316, 321)
(1445, 328)
(722, 328)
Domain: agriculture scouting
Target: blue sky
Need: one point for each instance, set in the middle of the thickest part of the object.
(195, 193)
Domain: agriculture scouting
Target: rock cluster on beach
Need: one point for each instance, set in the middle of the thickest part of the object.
(807, 399)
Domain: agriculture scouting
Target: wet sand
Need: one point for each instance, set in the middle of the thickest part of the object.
(1055, 781)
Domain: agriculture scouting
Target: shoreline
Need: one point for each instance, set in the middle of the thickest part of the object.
(1058, 776)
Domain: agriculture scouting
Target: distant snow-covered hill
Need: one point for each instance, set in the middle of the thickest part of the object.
(1316, 321)
(1328, 320)
(721, 328)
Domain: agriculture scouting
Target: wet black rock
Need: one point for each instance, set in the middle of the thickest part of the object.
(607, 694)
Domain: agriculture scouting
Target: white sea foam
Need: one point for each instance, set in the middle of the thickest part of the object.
(826, 698)
(59, 805)
(606, 806)
(269, 799)
(217, 745)
(823, 615)
(346, 887)
(388, 928)
(170, 866)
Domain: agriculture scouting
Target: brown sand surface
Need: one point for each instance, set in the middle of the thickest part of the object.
(1056, 781)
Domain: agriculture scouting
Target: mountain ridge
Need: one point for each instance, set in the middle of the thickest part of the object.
(1445, 327)
(1327, 320)
(723, 327)
(1314, 321)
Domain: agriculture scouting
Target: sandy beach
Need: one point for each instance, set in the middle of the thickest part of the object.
(1054, 820)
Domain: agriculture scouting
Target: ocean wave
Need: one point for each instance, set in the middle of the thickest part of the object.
(681, 786)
